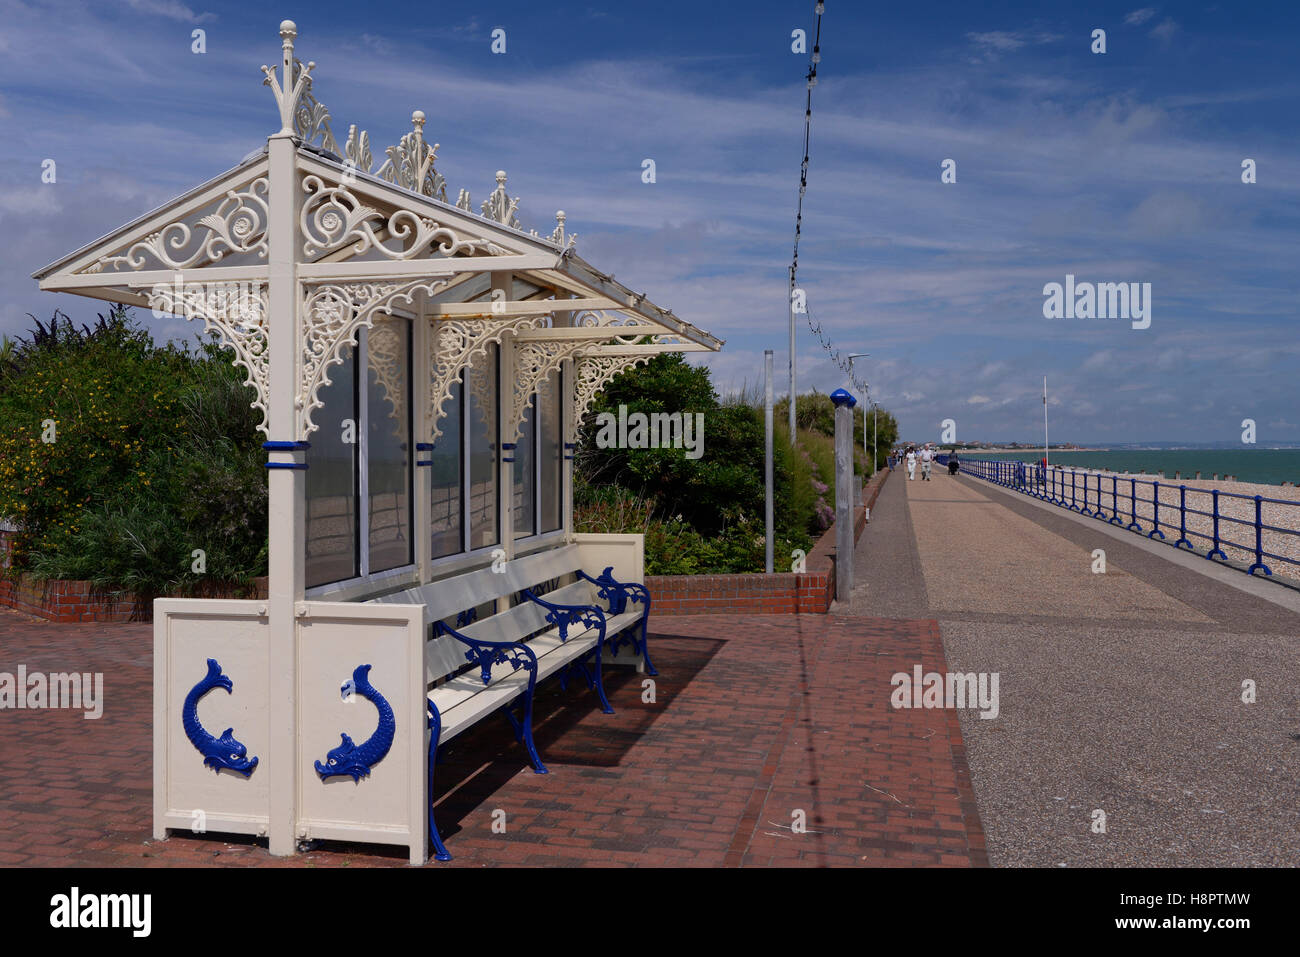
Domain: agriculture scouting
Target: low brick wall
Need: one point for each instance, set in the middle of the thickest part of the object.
(783, 593)
(76, 601)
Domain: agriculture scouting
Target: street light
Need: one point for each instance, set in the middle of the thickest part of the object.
(863, 355)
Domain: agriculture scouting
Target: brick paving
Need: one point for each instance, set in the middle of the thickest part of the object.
(751, 723)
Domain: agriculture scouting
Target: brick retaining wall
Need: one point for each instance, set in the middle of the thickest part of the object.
(78, 601)
(784, 593)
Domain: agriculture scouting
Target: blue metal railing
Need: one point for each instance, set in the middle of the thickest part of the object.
(1103, 497)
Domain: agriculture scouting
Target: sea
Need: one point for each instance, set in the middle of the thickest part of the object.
(1262, 466)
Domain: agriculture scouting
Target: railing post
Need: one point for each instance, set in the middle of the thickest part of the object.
(1133, 525)
(1073, 507)
(1114, 502)
(1182, 520)
(1216, 550)
(1085, 510)
(1155, 512)
(1259, 544)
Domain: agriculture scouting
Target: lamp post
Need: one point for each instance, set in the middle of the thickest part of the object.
(863, 355)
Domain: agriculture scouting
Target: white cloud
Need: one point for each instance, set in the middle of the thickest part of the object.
(1139, 17)
(992, 44)
(172, 9)
(1165, 30)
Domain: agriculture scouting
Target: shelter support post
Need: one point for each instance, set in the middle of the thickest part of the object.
(286, 505)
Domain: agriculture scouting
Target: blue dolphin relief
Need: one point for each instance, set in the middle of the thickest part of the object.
(348, 757)
(222, 752)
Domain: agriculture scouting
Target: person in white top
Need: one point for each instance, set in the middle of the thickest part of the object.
(926, 458)
(911, 464)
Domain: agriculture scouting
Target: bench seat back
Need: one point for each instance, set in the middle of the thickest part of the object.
(446, 599)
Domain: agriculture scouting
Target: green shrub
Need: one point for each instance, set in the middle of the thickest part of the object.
(154, 454)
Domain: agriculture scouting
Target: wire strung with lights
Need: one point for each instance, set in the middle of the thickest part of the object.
(835, 355)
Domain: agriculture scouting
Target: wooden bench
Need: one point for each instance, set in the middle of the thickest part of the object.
(475, 666)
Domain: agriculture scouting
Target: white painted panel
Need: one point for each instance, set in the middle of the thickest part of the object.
(187, 632)
(626, 553)
(390, 804)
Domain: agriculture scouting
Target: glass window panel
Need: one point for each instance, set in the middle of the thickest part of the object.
(388, 408)
(551, 450)
(445, 475)
(331, 480)
(482, 423)
(525, 503)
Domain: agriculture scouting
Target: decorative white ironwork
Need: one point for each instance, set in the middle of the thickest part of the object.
(624, 330)
(593, 373)
(483, 391)
(237, 225)
(534, 361)
(462, 201)
(499, 206)
(333, 216)
(310, 118)
(387, 360)
(238, 313)
(410, 163)
(456, 343)
(330, 315)
(558, 235)
(356, 152)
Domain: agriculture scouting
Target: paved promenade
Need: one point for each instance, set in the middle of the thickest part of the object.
(754, 720)
(1119, 692)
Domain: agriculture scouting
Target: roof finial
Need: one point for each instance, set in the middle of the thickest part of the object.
(286, 96)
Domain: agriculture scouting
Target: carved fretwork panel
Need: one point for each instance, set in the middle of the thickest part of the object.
(457, 343)
(386, 358)
(593, 373)
(333, 216)
(235, 224)
(238, 312)
(331, 314)
(534, 361)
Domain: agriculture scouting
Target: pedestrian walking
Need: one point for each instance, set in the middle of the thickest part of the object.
(911, 465)
(926, 458)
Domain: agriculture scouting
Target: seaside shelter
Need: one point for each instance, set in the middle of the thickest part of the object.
(422, 369)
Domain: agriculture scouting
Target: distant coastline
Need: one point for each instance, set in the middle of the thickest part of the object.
(1262, 466)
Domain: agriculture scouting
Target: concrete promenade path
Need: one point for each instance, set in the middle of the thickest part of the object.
(1120, 692)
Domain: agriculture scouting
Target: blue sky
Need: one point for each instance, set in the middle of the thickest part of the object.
(1122, 167)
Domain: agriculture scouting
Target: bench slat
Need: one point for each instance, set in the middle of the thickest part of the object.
(465, 699)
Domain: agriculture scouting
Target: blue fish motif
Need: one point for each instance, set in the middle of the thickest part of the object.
(222, 752)
(349, 758)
